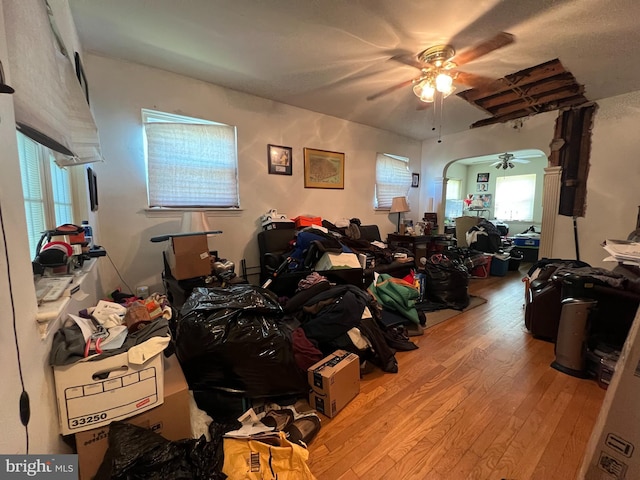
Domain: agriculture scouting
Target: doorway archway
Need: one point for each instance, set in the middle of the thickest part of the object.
(476, 179)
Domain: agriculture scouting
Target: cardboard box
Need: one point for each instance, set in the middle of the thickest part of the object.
(188, 256)
(94, 393)
(613, 451)
(171, 420)
(334, 382)
(333, 261)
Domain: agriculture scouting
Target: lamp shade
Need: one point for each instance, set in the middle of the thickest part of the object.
(399, 205)
(194, 222)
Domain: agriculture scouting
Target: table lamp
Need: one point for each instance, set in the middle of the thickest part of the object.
(194, 222)
(399, 205)
(197, 222)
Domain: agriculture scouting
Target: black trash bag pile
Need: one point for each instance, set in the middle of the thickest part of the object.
(233, 338)
(136, 453)
(447, 282)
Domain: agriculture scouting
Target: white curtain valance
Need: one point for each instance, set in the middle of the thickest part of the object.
(49, 102)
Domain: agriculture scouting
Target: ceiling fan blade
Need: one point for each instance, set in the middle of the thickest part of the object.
(409, 59)
(393, 88)
(500, 40)
(520, 160)
(423, 106)
(472, 80)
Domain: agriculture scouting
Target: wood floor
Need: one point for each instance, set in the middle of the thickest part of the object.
(477, 400)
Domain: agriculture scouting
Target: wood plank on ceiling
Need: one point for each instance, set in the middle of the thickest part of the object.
(537, 89)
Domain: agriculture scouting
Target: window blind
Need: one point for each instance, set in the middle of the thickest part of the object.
(49, 103)
(191, 165)
(393, 178)
(61, 190)
(33, 192)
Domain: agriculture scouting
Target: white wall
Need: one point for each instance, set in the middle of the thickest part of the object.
(119, 90)
(612, 193)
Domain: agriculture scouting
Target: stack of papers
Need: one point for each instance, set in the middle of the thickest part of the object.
(623, 251)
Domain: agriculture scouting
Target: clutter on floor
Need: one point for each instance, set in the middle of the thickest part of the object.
(257, 368)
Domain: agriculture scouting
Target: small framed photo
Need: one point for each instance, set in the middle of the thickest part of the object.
(482, 187)
(279, 160)
(415, 180)
(482, 177)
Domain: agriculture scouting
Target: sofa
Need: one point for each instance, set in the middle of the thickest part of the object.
(274, 245)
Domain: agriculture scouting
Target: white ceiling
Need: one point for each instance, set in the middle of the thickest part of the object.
(329, 55)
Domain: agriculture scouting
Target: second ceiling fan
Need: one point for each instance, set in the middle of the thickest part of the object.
(439, 72)
(507, 160)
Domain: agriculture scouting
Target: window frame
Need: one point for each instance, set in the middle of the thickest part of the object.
(154, 116)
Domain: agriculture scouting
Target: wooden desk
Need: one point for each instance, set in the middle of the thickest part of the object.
(417, 244)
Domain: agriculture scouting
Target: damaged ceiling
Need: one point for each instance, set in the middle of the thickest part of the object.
(545, 87)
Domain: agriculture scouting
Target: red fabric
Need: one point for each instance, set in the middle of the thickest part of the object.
(304, 352)
(410, 278)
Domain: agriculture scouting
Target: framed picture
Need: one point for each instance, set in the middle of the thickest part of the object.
(415, 180)
(81, 76)
(482, 187)
(480, 201)
(323, 169)
(482, 177)
(279, 160)
(92, 179)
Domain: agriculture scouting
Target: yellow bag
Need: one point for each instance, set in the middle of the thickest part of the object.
(254, 460)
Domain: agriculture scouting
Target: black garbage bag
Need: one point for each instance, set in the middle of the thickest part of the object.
(233, 338)
(447, 282)
(136, 453)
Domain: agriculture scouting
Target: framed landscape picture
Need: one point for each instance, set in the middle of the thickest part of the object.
(323, 169)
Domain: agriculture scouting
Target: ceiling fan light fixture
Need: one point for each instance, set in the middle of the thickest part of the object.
(439, 56)
(444, 83)
(425, 90)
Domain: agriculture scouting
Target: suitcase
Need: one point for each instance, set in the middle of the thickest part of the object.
(543, 307)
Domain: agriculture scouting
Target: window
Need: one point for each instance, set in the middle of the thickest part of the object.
(515, 195)
(46, 187)
(190, 162)
(393, 179)
(454, 205)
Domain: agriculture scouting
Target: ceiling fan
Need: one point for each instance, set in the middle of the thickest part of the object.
(507, 160)
(438, 67)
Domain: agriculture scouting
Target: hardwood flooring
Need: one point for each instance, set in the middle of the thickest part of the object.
(477, 400)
